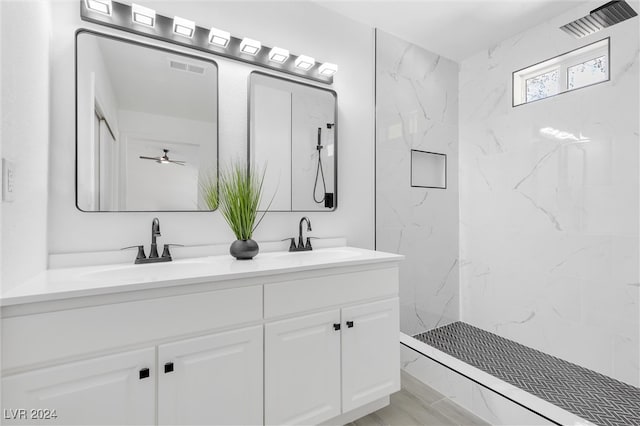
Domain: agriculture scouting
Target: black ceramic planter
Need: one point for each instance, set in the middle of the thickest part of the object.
(244, 249)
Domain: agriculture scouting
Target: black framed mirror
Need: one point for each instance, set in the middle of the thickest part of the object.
(146, 126)
(293, 135)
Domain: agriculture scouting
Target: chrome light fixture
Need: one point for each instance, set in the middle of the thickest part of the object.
(250, 46)
(328, 69)
(305, 62)
(218, 37)
(278, 55)
(143, 15)
(101, 6)
(183, 27)
(144, 21)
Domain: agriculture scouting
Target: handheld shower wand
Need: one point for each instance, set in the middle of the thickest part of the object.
(319, 146)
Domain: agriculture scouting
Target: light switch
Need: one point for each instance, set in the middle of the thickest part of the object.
(8, 180)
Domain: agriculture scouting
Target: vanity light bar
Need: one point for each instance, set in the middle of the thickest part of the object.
(143, 15)
(219, 37)
(183, 27)
(146, 22)
(101, 6)
(250, 46)
(278, 55)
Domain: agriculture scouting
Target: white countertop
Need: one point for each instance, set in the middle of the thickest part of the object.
(65, 283)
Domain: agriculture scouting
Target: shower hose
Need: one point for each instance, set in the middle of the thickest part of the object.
(319, 173)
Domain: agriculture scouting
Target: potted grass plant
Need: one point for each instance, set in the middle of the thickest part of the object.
(237, 194)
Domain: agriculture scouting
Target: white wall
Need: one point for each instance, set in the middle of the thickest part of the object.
(1, 156)
(417, 108)
(25, 133)
(302, 28)
(549, 229)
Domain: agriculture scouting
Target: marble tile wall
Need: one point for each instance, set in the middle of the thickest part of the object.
(549, 246)
(417, 108)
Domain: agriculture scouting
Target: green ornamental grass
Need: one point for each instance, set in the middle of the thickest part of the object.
(237, 193)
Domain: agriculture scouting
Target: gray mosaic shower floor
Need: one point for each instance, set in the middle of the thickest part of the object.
(590, 395)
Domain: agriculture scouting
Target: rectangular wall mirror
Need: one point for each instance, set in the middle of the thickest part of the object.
(146, 126)
(293, 135)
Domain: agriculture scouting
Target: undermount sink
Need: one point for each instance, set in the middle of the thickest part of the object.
(209, 265)
(150, 271)
(321, 255)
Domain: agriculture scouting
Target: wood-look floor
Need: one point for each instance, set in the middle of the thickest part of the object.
(416, 404)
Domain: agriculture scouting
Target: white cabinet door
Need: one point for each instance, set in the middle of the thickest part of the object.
(116, 389)
(370, 353)
(213, 380)
(302, 369)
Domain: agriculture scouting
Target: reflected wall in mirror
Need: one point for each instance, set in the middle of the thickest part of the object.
(293, 135)
(146, 126)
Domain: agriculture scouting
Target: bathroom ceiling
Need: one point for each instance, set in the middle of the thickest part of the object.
(455, 29)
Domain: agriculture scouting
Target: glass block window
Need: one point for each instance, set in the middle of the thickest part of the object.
(587, 73)
(573, 70)
(542, 86)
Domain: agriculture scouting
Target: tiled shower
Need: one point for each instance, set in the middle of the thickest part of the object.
(538, 241)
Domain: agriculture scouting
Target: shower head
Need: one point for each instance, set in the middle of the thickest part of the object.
(604, 16)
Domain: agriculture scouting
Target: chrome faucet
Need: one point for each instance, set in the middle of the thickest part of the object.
(155, 232)
(302, 246)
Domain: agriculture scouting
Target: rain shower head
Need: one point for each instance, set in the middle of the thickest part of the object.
(604, 16)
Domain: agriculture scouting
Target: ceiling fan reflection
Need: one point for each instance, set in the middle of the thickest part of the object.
(164, 159)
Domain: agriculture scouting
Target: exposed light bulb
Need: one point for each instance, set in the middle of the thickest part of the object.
(143, 15)
(183, 27)
(328, 69)
(219, 37)
(278, 55)
(250, 46)
(305, 62)
(101, 6)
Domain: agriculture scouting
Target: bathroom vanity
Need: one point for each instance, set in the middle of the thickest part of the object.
(288, 338)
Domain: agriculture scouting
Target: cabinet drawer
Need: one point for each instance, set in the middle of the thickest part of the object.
(49, 336)
(330, 290)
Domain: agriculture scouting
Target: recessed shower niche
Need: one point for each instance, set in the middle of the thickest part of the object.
(293, 136)
(428, 169)
(146, 126)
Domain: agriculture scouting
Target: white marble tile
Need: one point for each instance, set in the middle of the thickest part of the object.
(549, 228)
(417, 108)
(500, 411)
(452, 385)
